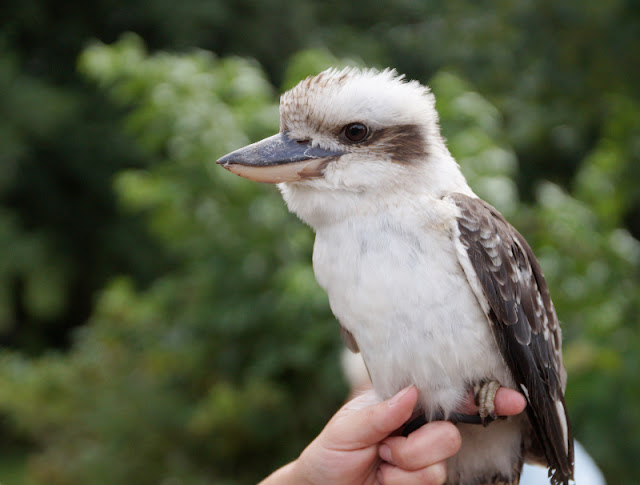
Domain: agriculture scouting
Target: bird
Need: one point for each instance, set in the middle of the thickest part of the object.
(428, 282)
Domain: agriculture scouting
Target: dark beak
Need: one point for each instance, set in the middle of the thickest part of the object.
(279, 159)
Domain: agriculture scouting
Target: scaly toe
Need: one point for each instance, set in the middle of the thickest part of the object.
(484, 396)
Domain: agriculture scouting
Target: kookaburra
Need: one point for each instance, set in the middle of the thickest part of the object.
(430, 283)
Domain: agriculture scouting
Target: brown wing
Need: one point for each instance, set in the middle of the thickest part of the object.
(525, 325)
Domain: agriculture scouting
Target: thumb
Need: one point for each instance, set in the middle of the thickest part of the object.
(360, 423)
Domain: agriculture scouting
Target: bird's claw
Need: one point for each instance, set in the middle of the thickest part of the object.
(484, 396)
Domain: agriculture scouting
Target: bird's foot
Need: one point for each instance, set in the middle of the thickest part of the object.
(484, 396)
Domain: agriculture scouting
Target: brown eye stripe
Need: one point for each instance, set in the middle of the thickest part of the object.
(403, 143)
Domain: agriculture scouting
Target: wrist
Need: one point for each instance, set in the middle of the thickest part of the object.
(287, 475)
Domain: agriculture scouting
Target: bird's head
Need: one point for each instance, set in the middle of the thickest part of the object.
(349, 131)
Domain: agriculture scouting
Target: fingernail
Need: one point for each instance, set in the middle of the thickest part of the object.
(385, 453)
(398, 397)
(379, 476)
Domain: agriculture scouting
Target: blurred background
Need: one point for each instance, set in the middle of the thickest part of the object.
(159, 318)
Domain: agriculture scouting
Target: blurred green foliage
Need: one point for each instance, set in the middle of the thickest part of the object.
(192, 378)
(202, 342)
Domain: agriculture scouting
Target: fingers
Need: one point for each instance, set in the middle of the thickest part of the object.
(433, 475)
(420, 457)
(432, 443)
(360, 423)
(508, 402)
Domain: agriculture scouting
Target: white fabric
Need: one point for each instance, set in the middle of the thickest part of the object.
(586, 473)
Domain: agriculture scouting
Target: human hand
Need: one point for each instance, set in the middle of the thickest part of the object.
(356, 447)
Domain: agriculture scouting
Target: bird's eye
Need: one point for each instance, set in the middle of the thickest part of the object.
(356, 132)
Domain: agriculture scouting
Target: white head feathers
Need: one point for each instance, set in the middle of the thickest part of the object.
(352, 140)
(337, 97)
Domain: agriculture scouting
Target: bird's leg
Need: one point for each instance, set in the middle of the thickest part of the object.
(414, 424)
(419, 419)
(484, 397)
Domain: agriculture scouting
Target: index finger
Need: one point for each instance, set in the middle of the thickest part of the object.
(508, 402)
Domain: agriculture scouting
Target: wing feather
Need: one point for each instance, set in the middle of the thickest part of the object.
(509, 284)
